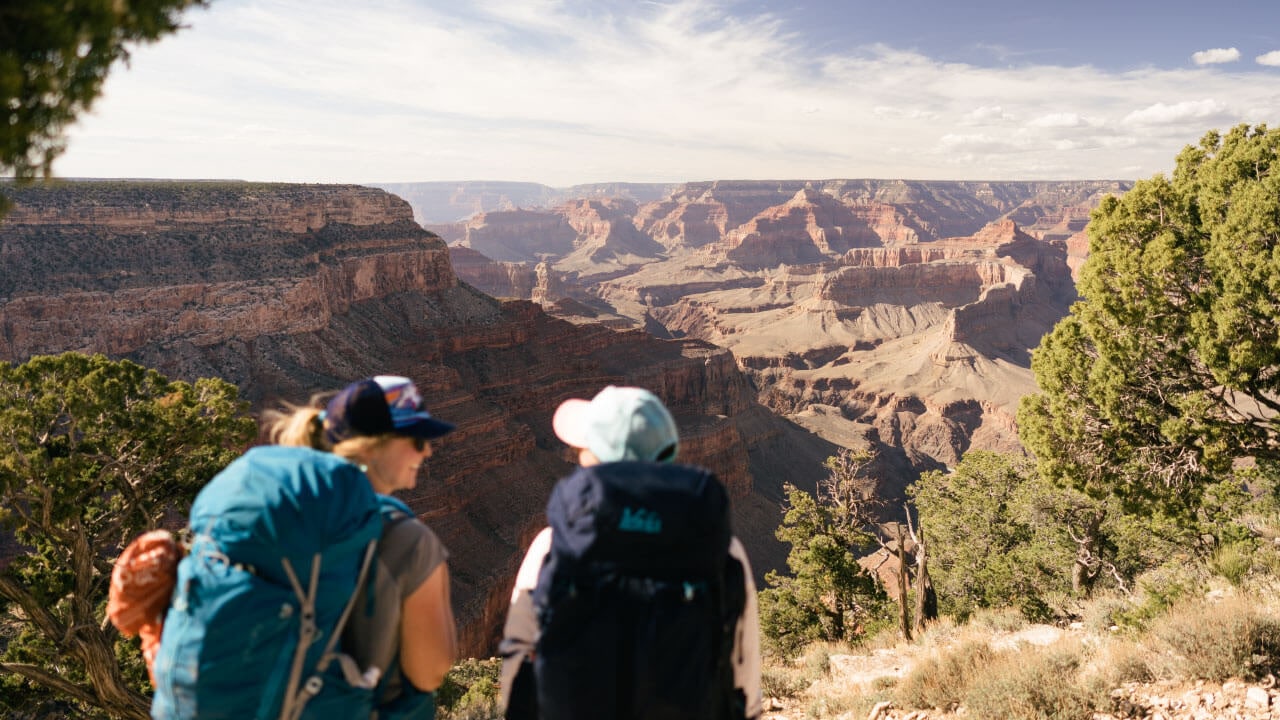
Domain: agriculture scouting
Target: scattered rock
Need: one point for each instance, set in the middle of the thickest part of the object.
(879, 710)
(1256, 697)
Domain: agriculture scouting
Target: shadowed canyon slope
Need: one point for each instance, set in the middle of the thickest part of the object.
(286, 290)
(892, 313)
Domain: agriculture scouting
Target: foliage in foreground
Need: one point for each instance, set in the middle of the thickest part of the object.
(1196, 639)
(828, 596)
(1169, 627)
(1235, 639)
(1162, 380)
(1001, 535)
(470, 690)
(93, 452)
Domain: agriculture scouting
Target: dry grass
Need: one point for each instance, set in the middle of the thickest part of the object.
(1034, 684)
(999, 620)
(1231, 633)
(941, 681)
(1235, 637)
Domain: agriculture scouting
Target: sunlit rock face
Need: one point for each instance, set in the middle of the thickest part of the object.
(893, 313)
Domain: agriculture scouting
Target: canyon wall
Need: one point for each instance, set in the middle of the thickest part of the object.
(894, 314)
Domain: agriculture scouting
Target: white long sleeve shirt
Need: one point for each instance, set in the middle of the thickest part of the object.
(521, 630)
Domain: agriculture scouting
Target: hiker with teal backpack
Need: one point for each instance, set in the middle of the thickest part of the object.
(636, 603)
(307, 591)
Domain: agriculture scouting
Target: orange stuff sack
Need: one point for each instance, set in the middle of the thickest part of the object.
(142, 582)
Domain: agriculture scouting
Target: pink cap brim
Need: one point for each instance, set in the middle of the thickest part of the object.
(570, 422)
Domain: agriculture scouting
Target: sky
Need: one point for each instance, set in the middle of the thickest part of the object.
(564, 92)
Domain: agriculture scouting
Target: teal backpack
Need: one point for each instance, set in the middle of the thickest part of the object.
(282, 540)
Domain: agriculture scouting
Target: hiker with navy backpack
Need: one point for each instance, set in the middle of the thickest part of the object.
(636, 603)
(307, 591)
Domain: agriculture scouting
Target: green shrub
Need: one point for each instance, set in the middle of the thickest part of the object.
(1038, 684)
(1161, 588)
(1232, 561)
(470, 690)
(1035, 609)
(1223, 640)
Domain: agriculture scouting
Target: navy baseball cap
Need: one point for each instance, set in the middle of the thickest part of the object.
(381, 405)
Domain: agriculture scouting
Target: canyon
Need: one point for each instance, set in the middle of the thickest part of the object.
(288, 290)
(893, 315)
(779, 320)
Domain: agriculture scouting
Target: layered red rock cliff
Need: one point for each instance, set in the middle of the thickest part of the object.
(907, 308)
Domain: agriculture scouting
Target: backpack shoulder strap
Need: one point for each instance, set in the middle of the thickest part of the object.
(296, 699)
(394, 511)
(733, 600)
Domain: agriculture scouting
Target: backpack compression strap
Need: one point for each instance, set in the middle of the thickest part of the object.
(295, 700)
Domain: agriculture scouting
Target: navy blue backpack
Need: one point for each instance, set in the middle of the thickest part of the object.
(639, 599)
(281, 541)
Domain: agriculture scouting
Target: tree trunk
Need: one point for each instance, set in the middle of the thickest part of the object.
(1082, 572)
(95, 651)
(81, 637)
(926, 600)
(904, 615)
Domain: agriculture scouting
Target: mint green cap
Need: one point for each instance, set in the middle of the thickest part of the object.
(619, 423)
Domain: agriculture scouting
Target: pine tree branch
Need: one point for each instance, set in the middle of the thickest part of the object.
(40, 676)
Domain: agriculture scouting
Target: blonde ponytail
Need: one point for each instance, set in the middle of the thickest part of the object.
(303, 426)
(297, 425)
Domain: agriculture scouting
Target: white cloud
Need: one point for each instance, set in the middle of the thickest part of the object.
(1059, 120)
(903, 113)
(985, 114)
(1215, 56)
(977, 143)
(1162, 114)
(1272, 58)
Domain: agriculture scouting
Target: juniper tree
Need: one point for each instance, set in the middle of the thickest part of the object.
(827, 595)
(93, 452)
(1164, 378)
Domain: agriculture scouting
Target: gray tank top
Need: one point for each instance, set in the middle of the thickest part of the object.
(407, 555)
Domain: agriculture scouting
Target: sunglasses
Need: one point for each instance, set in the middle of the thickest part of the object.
(419, 444)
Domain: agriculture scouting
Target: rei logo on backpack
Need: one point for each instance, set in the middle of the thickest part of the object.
(282, 540)
(639, 599)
